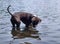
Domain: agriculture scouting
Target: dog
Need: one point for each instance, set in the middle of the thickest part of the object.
(26, 18)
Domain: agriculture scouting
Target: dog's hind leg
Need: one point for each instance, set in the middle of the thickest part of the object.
(13, 23)
(18, 22)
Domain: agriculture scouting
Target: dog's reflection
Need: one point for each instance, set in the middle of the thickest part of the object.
(26, 32)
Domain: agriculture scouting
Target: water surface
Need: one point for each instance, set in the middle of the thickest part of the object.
(48, 31)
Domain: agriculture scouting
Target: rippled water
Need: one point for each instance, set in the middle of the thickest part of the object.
(48, 30)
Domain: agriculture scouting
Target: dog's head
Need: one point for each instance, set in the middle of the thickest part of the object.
(35, 21)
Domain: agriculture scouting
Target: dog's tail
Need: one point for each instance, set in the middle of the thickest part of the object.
(9, 11)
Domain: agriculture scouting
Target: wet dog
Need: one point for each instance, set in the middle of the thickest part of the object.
(26, 18)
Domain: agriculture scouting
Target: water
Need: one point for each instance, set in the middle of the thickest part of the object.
(48, 30)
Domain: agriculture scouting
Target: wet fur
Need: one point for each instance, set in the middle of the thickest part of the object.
(26, 18)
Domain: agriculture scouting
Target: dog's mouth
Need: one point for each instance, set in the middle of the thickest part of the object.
(34, 23)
